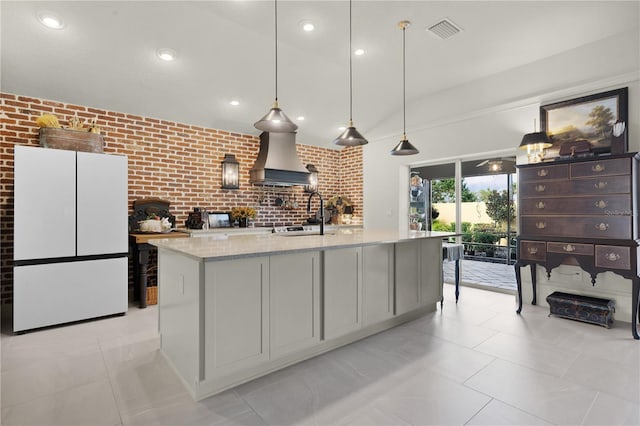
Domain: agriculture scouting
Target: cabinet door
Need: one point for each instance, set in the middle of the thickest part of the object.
(377, 283)
(236, 294)
(102, 203)
(294, 302)
(430, 270)
(45, 203)
(342, 289)
(56, 293)
(407, 271)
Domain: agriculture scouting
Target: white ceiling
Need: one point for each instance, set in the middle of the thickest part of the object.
(105, 56)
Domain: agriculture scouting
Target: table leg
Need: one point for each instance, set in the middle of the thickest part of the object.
(533, 282)
(457, 279)
(635, 308)
(517, 267)
(143, 260)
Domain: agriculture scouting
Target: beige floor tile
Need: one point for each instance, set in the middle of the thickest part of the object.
(538, 355)
(497, 413)
(606, 376)
(550, 398)
(91, 404)
(610, 410)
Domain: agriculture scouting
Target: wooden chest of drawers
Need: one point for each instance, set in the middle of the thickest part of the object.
(581, 212)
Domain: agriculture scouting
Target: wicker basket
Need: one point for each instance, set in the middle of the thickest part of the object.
(152, 295)
(73, 140)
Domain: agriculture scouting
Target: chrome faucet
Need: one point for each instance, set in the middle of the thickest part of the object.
(321, 209)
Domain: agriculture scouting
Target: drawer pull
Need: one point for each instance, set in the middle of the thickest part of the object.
(612, 257)
(597, 168)
(602, 226)
(541, 225)
(600, 185)
(543, 172)
(569, 248)
(532, 250)
(540, 188)
(540, 205)
(601, 204)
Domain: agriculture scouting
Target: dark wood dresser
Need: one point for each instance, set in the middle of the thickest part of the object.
(581, 212)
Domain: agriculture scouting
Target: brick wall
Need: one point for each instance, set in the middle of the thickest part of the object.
(173, 161)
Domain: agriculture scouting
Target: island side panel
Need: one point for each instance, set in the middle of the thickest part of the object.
(431, 271)
(179, 314)
(407, 273)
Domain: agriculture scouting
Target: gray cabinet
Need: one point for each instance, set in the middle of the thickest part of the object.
(430, 272)
(294, 302)
(377, 283)
(342, 291)
(236, 315)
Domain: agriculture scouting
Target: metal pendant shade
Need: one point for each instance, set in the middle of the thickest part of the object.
(350, 137)
(276, 120)
(404, 147)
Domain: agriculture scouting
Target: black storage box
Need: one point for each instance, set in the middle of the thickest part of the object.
(582, 308)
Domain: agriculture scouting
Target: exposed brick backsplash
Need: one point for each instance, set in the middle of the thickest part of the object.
(177, 162)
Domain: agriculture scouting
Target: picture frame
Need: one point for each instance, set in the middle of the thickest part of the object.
(587, 118)
(220, 220)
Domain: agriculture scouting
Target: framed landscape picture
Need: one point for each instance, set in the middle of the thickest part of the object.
(589, 119)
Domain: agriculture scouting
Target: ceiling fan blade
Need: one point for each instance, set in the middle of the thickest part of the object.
(482, 164)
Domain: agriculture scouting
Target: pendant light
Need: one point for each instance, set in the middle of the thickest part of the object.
(350, 137)
(404, 147)
(276, 120)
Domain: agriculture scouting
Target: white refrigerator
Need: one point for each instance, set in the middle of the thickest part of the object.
(70, 236)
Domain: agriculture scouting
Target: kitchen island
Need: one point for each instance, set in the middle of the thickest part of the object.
(234, 308)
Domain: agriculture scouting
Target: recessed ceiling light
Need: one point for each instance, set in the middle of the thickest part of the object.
(300, 118)
(358, 52)
(167, 54)
(234, 102)
(307, 26)
(50, 20)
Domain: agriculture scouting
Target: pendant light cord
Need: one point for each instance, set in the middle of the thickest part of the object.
(404, 90)
(276, 36)
(350, 71)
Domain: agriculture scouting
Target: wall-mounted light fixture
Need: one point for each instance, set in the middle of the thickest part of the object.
(312, 186)
(230, 172)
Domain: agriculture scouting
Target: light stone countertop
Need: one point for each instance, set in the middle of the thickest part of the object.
(220, 247)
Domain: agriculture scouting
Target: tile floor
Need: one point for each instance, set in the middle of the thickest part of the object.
(474, 363)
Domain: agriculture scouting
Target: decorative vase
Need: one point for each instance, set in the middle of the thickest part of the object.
(242, 222)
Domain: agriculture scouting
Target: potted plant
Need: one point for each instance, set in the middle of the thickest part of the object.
(241, 214)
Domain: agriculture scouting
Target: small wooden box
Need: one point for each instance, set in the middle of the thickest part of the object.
(582, 308)
(72, 140)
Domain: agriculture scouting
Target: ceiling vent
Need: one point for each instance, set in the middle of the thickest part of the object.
(444, 29)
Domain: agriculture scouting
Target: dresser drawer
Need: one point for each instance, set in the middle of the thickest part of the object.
(613, 257)
(541, 173)
(593, 204)
(533, 250)
(571, 248)
(617, 166)
(615, 227)
(599, 185)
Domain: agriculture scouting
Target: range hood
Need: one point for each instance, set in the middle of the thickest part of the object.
(278, 162)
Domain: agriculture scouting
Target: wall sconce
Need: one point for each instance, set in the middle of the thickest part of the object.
(312, 186)
(230, 172)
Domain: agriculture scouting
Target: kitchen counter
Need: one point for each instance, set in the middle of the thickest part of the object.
(219, 246)
(233, 308)
(251, 230)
